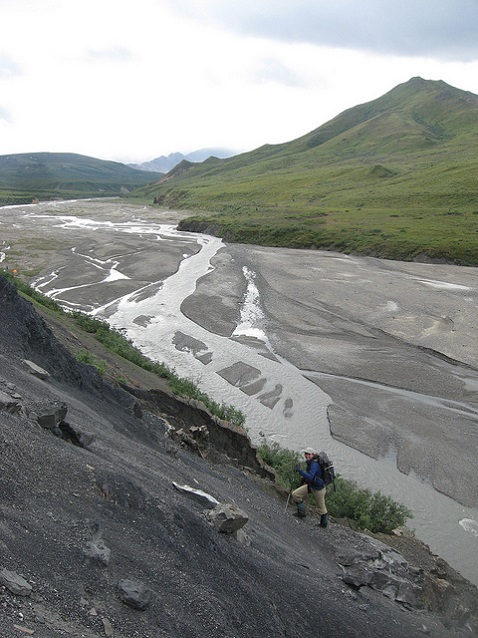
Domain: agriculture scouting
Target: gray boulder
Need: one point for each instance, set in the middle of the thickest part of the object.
(9, 404)
(36, 370)
(373, 564)
(134, 594)
(98, 551)
(15, 583)
(49, 414)
(227, 518)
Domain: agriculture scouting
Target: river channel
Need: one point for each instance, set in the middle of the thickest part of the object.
(371, 360)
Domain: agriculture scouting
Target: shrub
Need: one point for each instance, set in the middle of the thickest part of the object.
(83, 356)
(283, 461)
(386, 515)
(187, 388)
(88, 324)
(373, 511)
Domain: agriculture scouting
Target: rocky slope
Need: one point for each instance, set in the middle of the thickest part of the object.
(126, 512)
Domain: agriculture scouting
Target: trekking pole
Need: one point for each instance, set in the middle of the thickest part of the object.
(287, 504)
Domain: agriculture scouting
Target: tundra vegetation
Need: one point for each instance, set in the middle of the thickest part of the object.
(394, 178)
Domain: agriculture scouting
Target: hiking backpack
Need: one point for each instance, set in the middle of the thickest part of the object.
(327, 467)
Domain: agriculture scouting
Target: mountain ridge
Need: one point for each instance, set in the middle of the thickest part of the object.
(165, 163)
(381, 178)
(27, 176)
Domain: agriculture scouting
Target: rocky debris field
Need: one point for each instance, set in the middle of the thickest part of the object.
(126, 512)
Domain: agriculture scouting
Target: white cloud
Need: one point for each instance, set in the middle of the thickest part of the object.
(445, 29)
(5, 116)
(115, 54)
(8, 68)
(130, 81)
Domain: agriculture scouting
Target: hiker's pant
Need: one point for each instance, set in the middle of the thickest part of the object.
(301, 492)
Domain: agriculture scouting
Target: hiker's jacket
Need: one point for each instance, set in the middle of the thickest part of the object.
(313, 474)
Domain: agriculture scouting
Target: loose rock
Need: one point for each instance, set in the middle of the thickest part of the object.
(134, 594)
(15, 583)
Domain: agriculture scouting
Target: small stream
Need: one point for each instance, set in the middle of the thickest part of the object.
(282, 403)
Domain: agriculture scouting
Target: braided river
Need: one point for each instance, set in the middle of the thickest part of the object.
(374, 361)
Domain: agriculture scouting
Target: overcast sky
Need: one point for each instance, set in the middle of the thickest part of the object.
(130, 80)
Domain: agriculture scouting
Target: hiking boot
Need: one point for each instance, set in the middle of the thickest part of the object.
(301, 510)
(324, 520)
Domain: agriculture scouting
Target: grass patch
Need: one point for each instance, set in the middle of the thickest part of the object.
(83, 356)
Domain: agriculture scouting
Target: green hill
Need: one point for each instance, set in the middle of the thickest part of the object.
(396, 177)
(28, 176)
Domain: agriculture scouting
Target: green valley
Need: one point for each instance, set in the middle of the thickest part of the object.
(29, 176)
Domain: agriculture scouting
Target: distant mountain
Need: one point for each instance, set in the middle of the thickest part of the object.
(165, 163)
(387, 178)
(28, 176)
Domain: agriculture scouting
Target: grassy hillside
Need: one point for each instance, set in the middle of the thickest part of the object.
(28, 176)
(396, 177)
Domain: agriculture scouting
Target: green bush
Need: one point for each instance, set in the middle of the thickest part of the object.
(187, 388)
(83, 356)
(372, 511)
(283, 461)
(88, 324)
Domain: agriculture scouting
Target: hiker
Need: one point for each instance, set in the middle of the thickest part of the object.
(312, 483)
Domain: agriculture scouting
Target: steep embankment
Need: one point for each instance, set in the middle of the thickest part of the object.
(96, 540)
